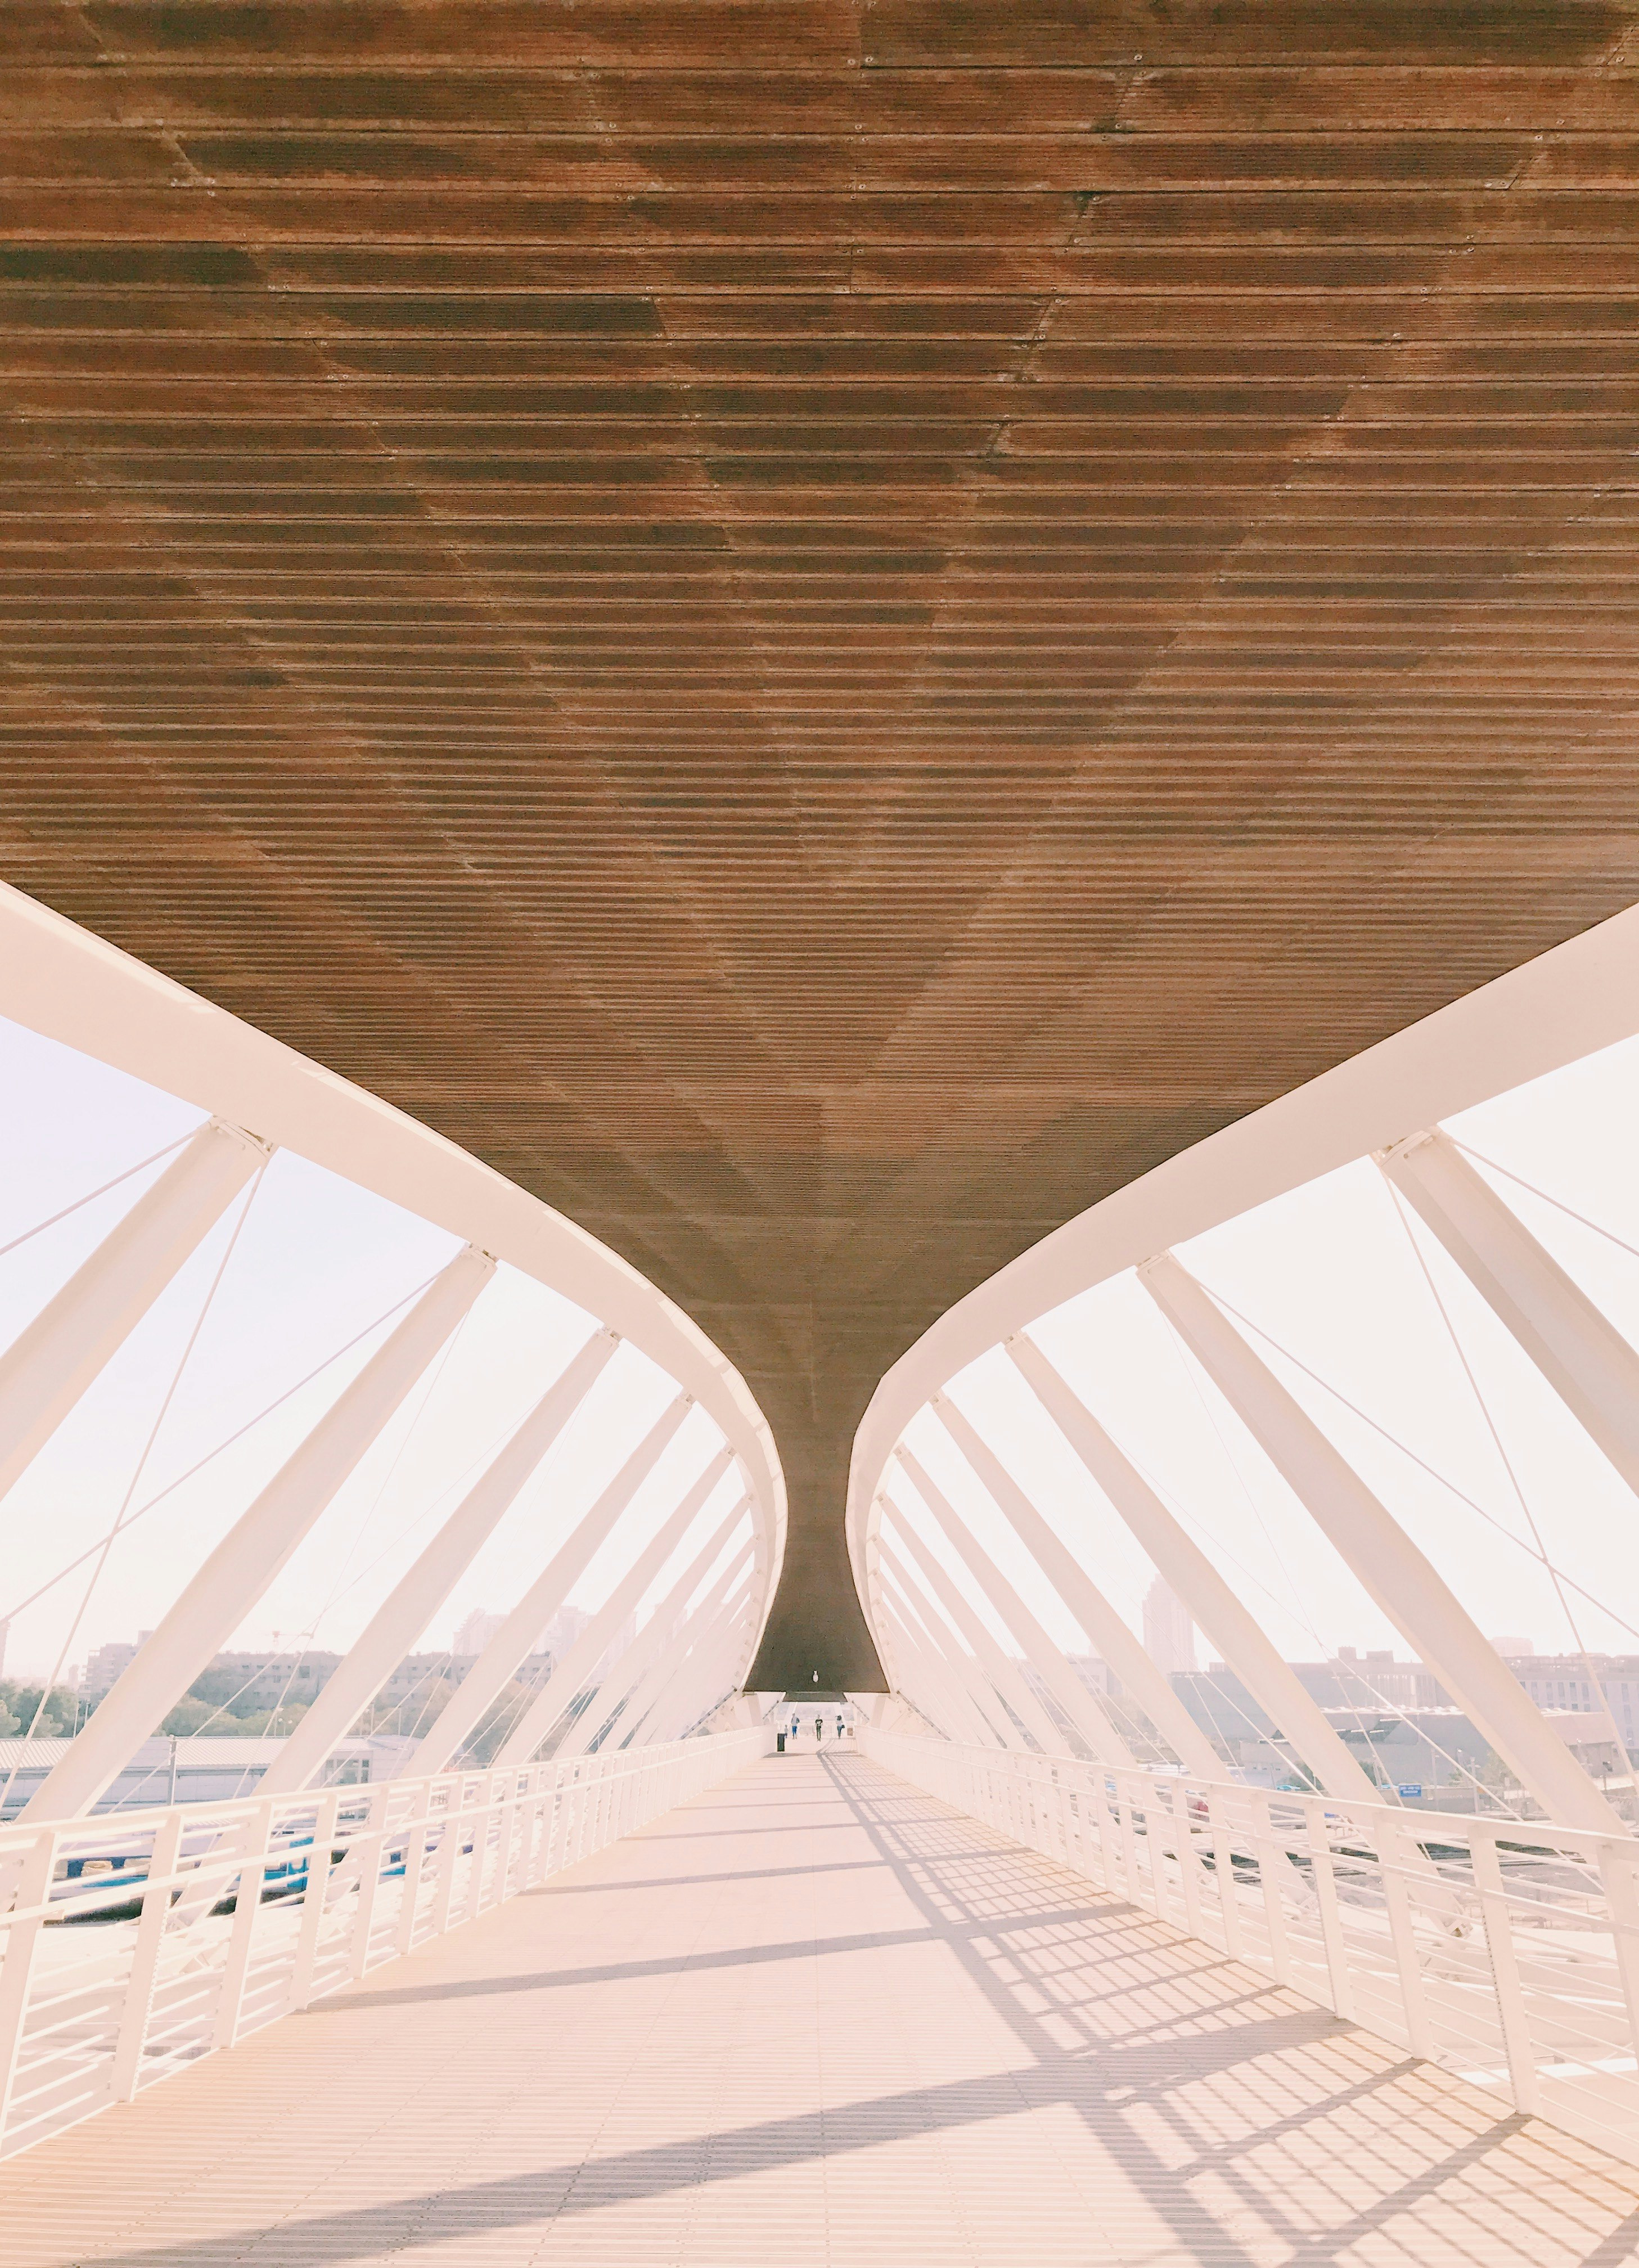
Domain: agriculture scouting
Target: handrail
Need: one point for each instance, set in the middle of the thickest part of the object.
(1505, 1950)
(226, 1916)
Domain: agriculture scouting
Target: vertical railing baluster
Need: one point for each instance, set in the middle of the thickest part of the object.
(310, 1930)
(1223, 1856)
(137, 2006)
(34, 1878)
(371, 1842)
(1392, 1856)
(1273, 1865)
(415, 1862)
(1499, 1944)
(1186, 1860)
(242, 1935)
(1325, 1878)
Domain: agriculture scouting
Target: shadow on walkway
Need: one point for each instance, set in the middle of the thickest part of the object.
(1255, 2128)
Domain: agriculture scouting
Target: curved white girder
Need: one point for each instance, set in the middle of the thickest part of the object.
(59, 980)
(1569, 1002)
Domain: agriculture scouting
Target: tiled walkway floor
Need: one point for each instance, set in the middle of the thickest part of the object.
(815, 2018)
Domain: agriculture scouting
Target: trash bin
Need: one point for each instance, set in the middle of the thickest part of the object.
(780, 1737)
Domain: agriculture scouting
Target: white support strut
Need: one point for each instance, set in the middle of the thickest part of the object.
(680, 1668)
(59, 979)
(650, 1649)
(1181, 1563)
(50, 1364)
(1585, 1358)
(461, 1714)
(1004, 1675)
(1126, 1653)
(1078, 1704)
(960, 1670)
(945, 1704)
(399, 1621)
(1391, 1569)
(912, 1667)
(583, 1656)
(625, 1674)
(700, 1643)
(223, 1590)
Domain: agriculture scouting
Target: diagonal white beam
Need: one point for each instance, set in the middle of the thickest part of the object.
(701, 1669)
(583, 1657)
(461, 1714)
(1002, 1674)
(402, 1616)
(941, 1653)
(662, 1632)
(907, 1662)
(700, 1632)
(1394, 1572)
(1126, 1655)
(1240, 1639)
(715, 1683)
(1073, 1697)
(945, 1656)
(932, 1685)
(657, 1700)
(615, 1688)
(261, 1543)
(52, 1362)
(1584, 1358)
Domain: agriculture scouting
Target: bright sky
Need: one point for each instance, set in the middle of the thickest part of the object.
(1334, 1274)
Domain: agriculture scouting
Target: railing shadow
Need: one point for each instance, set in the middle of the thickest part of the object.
(1250, 2126)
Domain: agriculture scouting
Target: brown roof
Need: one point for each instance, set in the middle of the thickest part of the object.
(823, 630)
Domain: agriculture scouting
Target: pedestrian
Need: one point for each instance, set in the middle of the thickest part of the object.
(819, 1730)
(839, 1726)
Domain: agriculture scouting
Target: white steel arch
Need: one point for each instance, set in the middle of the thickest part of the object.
(1581, 996)
(1193, 1840)
(57, 979)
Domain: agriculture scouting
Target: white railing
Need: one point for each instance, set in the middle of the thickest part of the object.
(134, 1943)
(1506, 1952)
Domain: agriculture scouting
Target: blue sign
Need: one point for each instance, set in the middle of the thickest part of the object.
(1413, 1787)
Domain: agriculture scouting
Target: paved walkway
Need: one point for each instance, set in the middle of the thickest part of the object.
(815, 2017)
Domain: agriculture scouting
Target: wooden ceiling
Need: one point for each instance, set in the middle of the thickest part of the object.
(824, 630)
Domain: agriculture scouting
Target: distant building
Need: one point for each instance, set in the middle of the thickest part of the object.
(1561, 1681)
(109, 1662)
(1095, 1673)
(254, 1681)
(262, 1681)
(562, 1630)
(1169, 1633)
(617, 1645)
(477, 1631)
(1224, 1711)
(1370, 1680)
(416, 1682)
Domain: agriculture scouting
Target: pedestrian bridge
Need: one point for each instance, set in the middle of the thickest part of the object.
(819, 894)
(815, 2015)
(1032, 1964)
